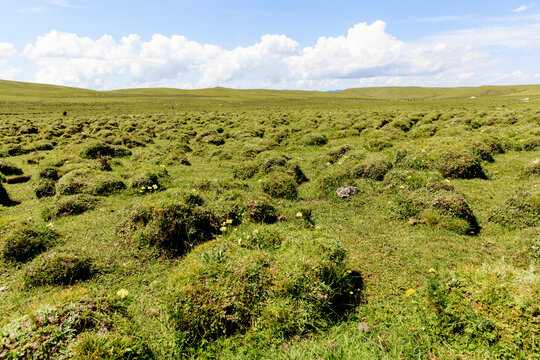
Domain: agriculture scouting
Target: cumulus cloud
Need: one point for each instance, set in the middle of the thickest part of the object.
(81, 61)
(368, 51)
(366, 55)
(7, 51)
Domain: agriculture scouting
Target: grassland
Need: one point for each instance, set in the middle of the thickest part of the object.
(164, 223)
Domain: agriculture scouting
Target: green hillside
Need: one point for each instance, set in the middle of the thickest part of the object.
(13, 91)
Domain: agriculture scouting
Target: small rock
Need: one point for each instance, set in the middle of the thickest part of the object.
(346, 191)
(364, 327)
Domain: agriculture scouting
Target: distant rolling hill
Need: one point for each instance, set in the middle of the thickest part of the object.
(13, 90)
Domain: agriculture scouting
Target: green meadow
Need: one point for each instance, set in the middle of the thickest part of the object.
(205, 224)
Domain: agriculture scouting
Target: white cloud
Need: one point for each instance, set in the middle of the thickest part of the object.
(7, 51)
(526, 36)
(521, 8)
(368, 51)
(366, 56)
(9, 73)
(72, 60)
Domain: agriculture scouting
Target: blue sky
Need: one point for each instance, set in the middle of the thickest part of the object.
(314, 45)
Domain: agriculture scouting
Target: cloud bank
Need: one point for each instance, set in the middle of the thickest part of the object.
(366, 55)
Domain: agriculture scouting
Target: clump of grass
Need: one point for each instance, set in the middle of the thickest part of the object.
(71, 205)
(315, 140)
(96, 150)
(459, 165)
(333, 178)
(411, 159)
(436, 204)
(280, 185)
(488, 310)
(9, 169)
(334, 154)
(227, 289)
(533, 169)
(58, 268)
(173, 227)
(375, 170)
(270, 164)
(397, 179)
(76, 181)
(146, 182)
(49, 173)
(110, 346)
(108, 185)
(25, 241)
(211, 137)
(260, 210)
(520, 211)
(52, 332)
(45, 188)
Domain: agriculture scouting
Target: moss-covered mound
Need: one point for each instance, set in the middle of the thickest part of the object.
(281, 288)
(58, 268)
(520, 211)
(25, 241)
(173, 227)
(436, 204)
(82, 330)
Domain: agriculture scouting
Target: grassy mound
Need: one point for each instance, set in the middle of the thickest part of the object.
(172, 227)
(25, 241)
(58, 268)
(70, 206)
(436, 204)
(519, 211)
(70, 331)
(283, 288)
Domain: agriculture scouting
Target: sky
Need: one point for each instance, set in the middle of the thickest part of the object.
(295, 44)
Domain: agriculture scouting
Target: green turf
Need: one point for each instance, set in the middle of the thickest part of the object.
(205, 223)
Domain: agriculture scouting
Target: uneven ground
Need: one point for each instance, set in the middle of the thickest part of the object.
(205, 224)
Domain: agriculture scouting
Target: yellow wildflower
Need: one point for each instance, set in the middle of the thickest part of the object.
(229, 221)
(299, 215)
(155, 186)
(410, 176)
(410, 292)
(122, 293)
(223, 228)
(432, 270)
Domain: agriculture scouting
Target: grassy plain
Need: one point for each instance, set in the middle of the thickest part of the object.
(163, 223)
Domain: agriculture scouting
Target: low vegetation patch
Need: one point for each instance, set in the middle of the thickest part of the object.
(70, 331)
(58, 268)
(280, 288)
(172, 227)
(71, 205)
(519, 211)
(24, 241)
